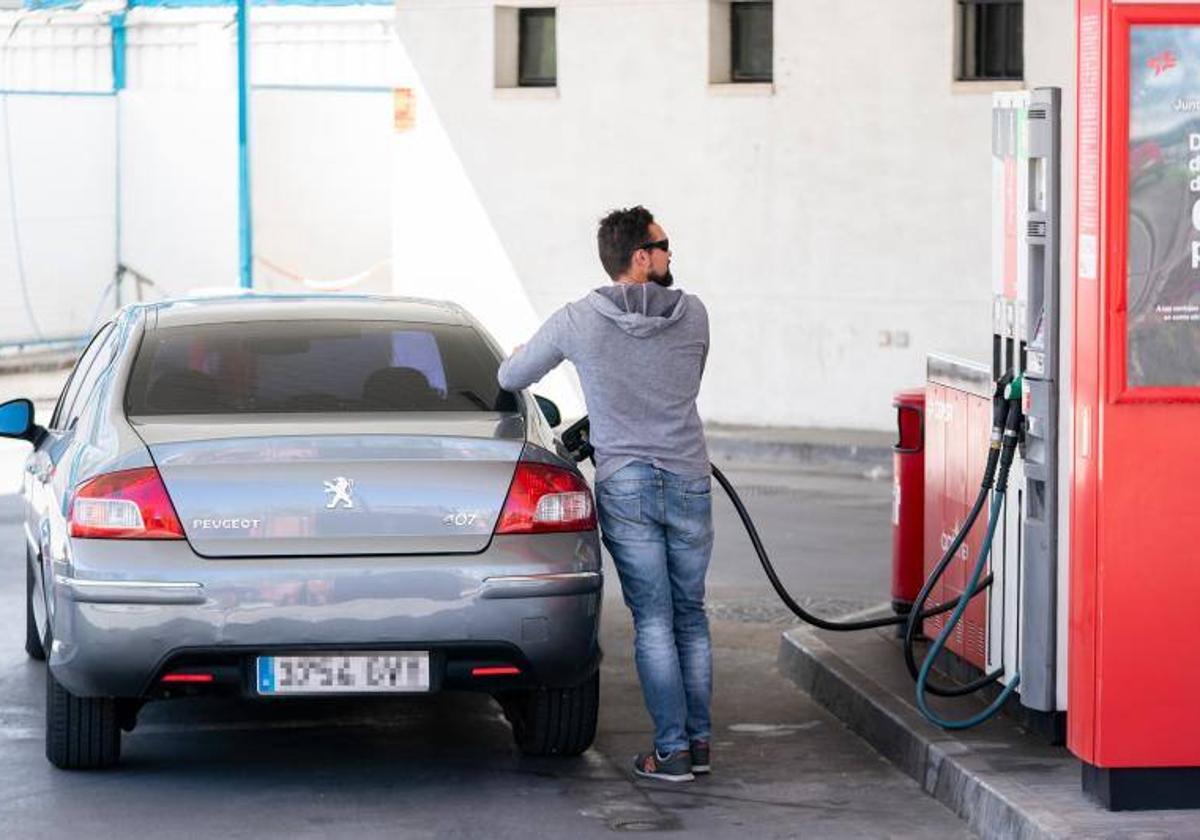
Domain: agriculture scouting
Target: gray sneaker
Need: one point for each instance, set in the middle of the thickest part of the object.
(676, 767)
(700, 760)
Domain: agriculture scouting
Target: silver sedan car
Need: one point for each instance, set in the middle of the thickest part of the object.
(304, 496)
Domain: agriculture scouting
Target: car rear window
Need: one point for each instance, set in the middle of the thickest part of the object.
(299, 367)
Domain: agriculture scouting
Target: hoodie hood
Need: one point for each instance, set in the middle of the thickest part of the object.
(640, 309)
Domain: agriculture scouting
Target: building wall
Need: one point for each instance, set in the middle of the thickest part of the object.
(179, 149)
(837, 222)
(321, 148)
(55, 88)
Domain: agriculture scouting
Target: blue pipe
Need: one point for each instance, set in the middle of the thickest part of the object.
(245, 231)
(117, 23)
(994, 516)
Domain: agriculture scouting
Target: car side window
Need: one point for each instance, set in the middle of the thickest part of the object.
(87, 388)
(64, 412)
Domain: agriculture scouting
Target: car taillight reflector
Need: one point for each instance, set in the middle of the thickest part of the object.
(187, 678)
(546, 499)
(129, 504)
(496, 671)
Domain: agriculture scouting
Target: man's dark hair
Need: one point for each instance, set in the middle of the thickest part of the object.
(620, 234)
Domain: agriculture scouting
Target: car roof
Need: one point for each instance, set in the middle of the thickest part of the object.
(236, 308)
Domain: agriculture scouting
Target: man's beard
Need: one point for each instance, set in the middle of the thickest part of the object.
(665, 279)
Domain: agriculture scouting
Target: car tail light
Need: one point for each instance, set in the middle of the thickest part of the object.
(130, 504)
(545, 499)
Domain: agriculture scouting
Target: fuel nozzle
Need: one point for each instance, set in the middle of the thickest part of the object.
(575, 439)
(1014, 423)
(1000, 407)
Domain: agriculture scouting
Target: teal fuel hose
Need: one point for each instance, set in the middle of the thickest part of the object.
(940, 641)
(1000, 409)
(914, 622)
(1012, 425)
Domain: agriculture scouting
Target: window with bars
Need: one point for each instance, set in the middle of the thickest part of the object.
(991, 40)
(537, 53)
(752, 45)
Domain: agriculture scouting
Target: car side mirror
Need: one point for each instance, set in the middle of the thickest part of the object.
(549, 410)
(16, 420)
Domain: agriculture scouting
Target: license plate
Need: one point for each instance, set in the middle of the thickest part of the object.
(350, 673)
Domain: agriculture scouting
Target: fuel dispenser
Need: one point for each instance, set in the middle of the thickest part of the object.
(1025, 612)
(1012, 633)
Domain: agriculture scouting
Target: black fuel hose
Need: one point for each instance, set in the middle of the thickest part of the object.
(576, 440)
(816, 620)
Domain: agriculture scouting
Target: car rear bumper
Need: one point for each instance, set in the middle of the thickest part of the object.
(124, 612)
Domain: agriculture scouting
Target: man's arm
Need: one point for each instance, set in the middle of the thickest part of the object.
(533, 360)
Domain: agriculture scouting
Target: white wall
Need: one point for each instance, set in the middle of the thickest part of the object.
(846, 205)
(57, 142)
(446, 245)
(323, 198)
(320, 147)
(179, 149)
(321, 155)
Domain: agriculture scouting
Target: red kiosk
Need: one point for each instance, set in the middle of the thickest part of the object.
(1134, 668)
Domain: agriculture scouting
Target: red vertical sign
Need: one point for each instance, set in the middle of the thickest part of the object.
(1081, 637)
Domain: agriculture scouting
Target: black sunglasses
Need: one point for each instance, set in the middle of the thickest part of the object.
(662, 245)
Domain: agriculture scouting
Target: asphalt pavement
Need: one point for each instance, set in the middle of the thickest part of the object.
(445, 765)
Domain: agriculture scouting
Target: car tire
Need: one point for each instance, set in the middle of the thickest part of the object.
(555, 721)
(82, 733)
(33, 639)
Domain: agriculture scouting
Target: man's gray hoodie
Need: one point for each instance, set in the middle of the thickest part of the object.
(639, 350)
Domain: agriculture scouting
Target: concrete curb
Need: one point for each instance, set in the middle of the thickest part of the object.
(940, 763)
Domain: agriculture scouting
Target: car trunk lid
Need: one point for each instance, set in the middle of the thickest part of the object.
(339, 485)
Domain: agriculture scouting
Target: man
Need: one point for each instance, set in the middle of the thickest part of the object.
(639, 347)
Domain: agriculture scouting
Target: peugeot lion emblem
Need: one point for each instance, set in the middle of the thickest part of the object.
(340, 488)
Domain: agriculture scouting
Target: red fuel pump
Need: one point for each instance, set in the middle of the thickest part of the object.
(1134, 680)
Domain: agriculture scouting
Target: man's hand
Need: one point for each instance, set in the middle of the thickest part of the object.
(516, 350)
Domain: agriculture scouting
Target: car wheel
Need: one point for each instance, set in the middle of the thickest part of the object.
(33, 640)
(82, 733)
(555, 721)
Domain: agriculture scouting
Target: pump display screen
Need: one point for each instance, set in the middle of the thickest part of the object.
(1164, 207)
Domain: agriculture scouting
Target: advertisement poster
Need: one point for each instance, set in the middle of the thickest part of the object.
(1164, 207)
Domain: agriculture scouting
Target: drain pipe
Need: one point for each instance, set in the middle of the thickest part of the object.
(245, 228)
(117, 25)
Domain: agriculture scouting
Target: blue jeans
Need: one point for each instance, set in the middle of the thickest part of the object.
(658, 528)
